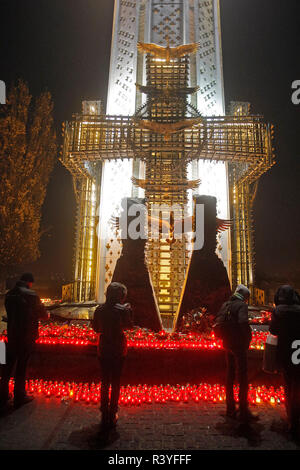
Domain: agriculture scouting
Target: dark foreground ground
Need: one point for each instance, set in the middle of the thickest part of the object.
(53, 424)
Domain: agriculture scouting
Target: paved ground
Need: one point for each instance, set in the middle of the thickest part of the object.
(50, 424)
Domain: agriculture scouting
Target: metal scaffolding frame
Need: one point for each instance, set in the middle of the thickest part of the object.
(85, 251)
(242, 141)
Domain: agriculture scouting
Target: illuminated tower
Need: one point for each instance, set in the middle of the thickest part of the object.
(104, 152)
(175, 22)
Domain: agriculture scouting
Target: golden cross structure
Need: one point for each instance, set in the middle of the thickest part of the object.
(166, 134)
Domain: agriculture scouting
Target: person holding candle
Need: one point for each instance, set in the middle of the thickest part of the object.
(285, 324)
(110, 321)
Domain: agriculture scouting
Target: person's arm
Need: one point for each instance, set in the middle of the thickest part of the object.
(127, 317)
(274, 327)
(42, 312)
(96, 322)
(244, 326)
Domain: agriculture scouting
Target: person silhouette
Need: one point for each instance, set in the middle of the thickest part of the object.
(110, 320)
(24, 309)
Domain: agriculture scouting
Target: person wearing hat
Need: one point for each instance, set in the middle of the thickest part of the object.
(24, 309)
(110, 320)
(236, 341)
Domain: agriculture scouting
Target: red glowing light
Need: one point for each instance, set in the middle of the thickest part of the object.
(148, 394)
(75, 335)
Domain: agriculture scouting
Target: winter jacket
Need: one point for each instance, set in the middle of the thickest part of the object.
(238, 335)
(111, 321)
(285, 324)
(24, 309)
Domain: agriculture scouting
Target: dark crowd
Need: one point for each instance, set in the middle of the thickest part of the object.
(24, 310)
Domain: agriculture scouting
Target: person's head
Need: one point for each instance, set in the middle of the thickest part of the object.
(286, 295)
(116, 293)
(242, 292)
(28, 278)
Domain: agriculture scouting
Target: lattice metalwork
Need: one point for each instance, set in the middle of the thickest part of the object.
(243, 182)
(228, 138)
(244, 141)
(166, 116)
(87, 192)
(121, 89)
(163, 186)
(207, 31)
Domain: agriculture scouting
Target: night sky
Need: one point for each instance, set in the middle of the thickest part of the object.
(64, 46)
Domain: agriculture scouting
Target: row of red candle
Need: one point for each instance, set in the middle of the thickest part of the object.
(139, 394)
(185, 342)
(83, 333)
(152, 342)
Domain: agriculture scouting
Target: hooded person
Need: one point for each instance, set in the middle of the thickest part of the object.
(285, 324)
(110, 321)
(24, 309)
(236, 340)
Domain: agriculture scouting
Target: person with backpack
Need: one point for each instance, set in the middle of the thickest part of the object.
(24, 309)
(110, 320)
(232, 326)
(285, 324)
